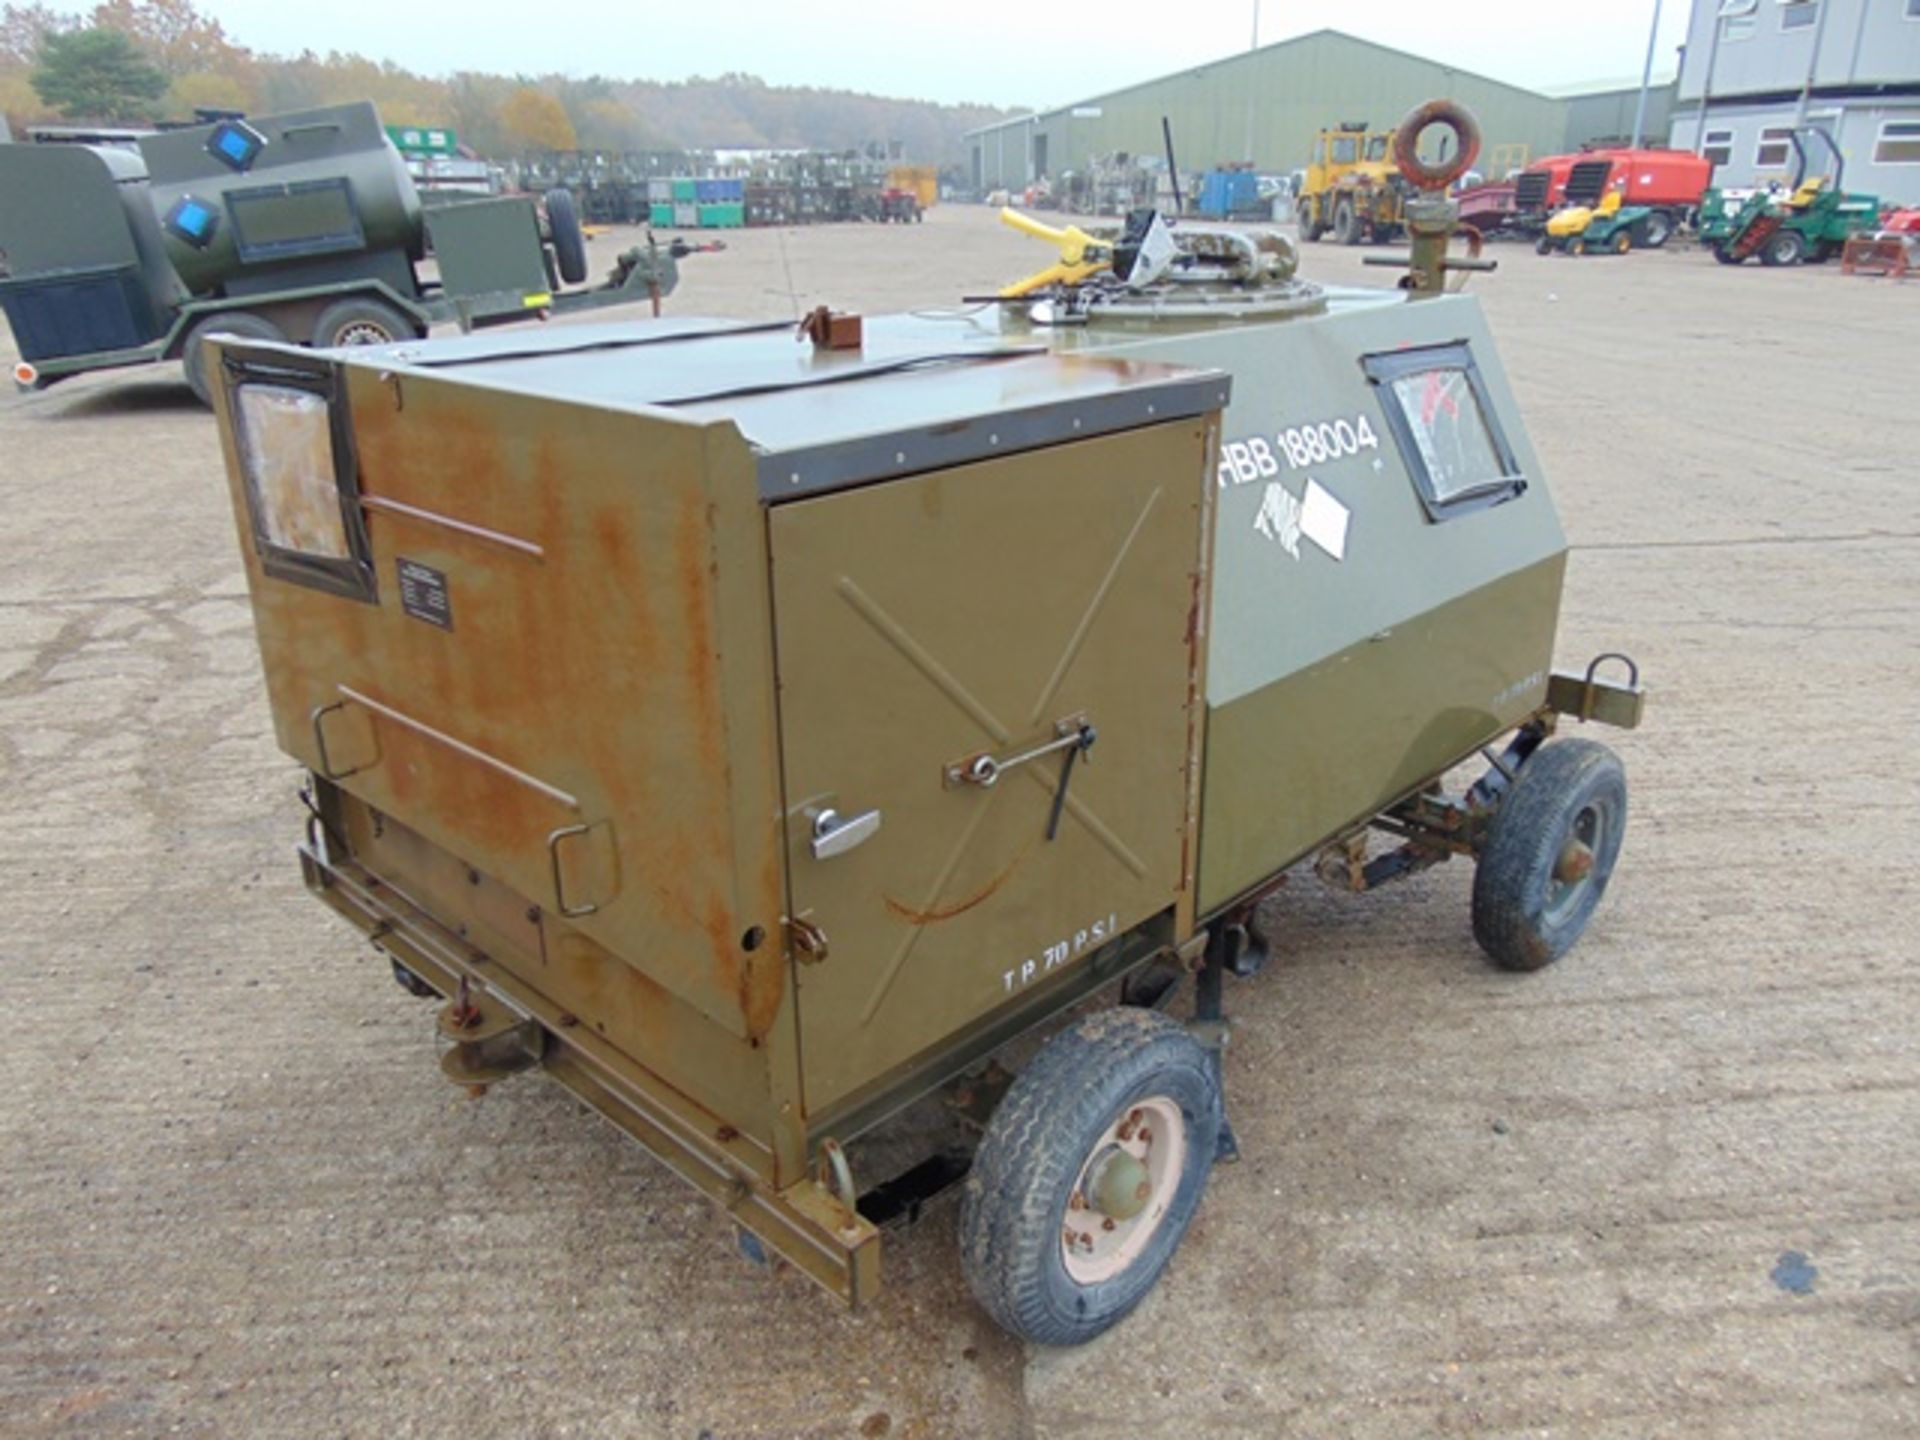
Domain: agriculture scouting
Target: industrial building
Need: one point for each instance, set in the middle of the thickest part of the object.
(1754, 69)
(1266, 106)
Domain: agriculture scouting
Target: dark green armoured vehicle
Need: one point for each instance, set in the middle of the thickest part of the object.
(302, 227)
(755, 732)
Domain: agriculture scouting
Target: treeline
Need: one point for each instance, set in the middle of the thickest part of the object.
(55, 66)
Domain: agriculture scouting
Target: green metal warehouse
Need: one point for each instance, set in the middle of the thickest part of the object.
(1263, 105)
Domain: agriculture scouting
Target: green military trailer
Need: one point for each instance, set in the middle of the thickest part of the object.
(302, 227)
(757, 732)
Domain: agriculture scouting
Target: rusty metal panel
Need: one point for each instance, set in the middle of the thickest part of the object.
(984, 611)
(564, 680)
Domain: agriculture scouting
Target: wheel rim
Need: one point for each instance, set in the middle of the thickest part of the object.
(1573, 863)
(1109, 1220)
(362, 332)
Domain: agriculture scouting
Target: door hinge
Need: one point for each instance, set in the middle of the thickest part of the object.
(808, 939)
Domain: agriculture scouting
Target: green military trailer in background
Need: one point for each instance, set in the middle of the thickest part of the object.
(756, 733)
(302, 227)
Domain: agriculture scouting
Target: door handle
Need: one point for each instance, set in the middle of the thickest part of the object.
(834, 834)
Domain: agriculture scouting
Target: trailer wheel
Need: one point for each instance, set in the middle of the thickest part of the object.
(1656, 230)
(1552, 850)
(241, 324)
(1786, 247)
(1089, 1174)
(569, 240)
(360, 321)
(1347, 226)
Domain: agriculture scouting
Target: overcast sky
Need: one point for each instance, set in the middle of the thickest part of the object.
(1001, 52)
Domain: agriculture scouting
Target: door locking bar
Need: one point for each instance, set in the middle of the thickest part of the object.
(1073, 733)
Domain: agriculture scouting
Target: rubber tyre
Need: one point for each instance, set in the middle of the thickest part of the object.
(569, 240)
(360, 321)
(1014, 1204)
(1621, 243)
(242, 324)
(1544, 245)
(1723, 252)
(1787, 247)
(1513, 917)
(1347, 228)
(1655, 230)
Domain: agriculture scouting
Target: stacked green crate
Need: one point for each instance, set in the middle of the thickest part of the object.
(685, 191)
(660, 212)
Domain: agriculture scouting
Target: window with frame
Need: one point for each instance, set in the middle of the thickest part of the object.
(1443, 420)
(1775, 147)
(1738, 18)
(1898, 143)
(1798, 14)
(295, 448)
(1716, 147)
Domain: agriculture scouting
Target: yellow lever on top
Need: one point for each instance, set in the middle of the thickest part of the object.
(1080, 254)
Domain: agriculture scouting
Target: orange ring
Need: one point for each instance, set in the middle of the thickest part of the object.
(25, 375)
(1466, 131)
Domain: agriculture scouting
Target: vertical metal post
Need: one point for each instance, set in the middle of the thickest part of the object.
(1706, 86)
(1646, 79)
(1252, 45)
(1813, 63)
(1210, 1028)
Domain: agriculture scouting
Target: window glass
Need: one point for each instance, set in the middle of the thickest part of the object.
(1377, 148)
(1775, 146)
(1450, 431)
(1345, 150)
(1798, 14)
(1737, 18)
(286, 453)
(310, 218)
(1438, 410)
(1898, 142)
(1717, 147)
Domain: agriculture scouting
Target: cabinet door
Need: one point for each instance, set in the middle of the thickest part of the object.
(1045, 602)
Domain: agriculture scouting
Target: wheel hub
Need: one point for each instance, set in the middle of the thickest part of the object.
(1120, 1187)
(1575, 862)
(1131, 1176)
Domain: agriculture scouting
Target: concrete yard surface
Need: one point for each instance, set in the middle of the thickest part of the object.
(1668, 1187)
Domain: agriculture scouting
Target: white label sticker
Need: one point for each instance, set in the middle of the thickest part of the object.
(1323, 520)
(1279, 518)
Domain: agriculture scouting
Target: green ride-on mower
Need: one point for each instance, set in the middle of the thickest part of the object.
(1609, 228)
(1809, 222)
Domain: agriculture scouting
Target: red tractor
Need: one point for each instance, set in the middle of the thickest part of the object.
(1669, 183)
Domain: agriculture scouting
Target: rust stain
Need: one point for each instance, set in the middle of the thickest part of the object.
(694, 566)
(937, 913)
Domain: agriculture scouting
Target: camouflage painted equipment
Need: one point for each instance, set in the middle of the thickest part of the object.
(755, 732)
(303, 227)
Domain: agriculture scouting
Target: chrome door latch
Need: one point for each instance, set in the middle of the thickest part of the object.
(834, 834)
(1075, 734)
